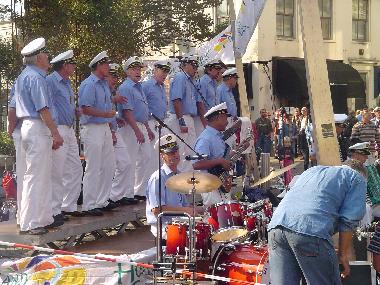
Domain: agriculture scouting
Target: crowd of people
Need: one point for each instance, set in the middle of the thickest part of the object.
(118, 129)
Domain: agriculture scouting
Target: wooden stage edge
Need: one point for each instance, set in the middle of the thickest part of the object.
(76, 228)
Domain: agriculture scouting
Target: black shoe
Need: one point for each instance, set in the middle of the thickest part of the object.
(36, 231)
(111, 205)
(74, 214)
(127, 201)
(94, 212)
(57, 223)
(140, 198)
(61, 217)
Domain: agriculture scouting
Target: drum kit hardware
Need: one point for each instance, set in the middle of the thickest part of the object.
(229, 241)
(275, 173)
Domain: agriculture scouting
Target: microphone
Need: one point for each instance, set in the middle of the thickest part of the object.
(196, 157)
(262, 61)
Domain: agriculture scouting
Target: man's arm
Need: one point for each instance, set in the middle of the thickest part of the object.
(48, 120)
(130, 118)
(210, 163)
(177, 104)
(12, 121)
(345, 242)
(94, 112)
(201, 111)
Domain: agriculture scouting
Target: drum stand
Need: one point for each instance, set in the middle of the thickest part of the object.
(160, 265)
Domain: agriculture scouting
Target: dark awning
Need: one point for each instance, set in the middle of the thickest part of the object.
(289, 76)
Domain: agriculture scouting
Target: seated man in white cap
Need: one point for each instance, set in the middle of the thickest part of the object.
(39, 134)
(211, 143)
(170, 201)
(95, 101)
(68, 171)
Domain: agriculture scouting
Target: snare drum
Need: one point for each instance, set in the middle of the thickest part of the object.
(227, 220)
(244, 262)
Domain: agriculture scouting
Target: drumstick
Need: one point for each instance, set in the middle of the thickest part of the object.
(115, 260)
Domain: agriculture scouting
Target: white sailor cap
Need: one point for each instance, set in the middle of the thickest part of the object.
(34, 47)
(114, 68)
(99, 58)
(230, 72)
(340, 118)
(132, 62)
(218, 109)
(66, 56)
(215, 63)
(163, 64)
(191, 58)
(362, 148)
(168, 144)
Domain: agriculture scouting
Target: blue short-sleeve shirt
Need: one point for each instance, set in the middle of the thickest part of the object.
(95, 92)
(32, 93)
(183, 87)
(63, 98)
(211, 143)
(224, 94)
(136, 100)
(208, 89)
(156, 98)
(168, 198)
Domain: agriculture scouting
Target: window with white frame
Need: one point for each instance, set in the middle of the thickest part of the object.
(285, 20)
(222, 13)
(326, 14)
(360, 20)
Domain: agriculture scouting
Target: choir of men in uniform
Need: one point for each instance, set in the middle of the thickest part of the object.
(117, 146)
(68, 171)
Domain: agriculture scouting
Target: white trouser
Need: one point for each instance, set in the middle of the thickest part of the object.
(20, 169)
(123, 170)
(36, 151)
(215, 197)
(189, 138)
(231, 141)
(139, 155)
(198, 125)
(100, 165)
(67, 173)
(155, 152)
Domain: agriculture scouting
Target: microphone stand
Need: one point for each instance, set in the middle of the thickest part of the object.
(162, 124)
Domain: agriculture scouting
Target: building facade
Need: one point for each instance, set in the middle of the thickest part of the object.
(351, 42)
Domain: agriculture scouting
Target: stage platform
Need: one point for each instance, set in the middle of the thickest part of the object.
(74, 230)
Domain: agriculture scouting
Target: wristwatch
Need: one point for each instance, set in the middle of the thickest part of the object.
(181, 122)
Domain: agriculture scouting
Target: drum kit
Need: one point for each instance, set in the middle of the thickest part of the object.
(228, 244)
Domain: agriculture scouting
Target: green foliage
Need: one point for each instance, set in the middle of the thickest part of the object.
(6, 144)
(122, 27)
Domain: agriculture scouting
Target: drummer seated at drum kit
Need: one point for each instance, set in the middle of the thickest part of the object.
(170, 201)
(211, 143)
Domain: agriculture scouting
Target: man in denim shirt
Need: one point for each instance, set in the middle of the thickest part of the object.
(323, 200)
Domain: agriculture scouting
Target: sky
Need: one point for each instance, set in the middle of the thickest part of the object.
(8, 2)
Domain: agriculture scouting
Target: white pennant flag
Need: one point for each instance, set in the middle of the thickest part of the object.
(221, 46)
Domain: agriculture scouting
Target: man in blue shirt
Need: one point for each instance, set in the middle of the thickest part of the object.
(39, 134)
(136, 134)
(211, 143)
(170, 201)
(96, 104)
(324, 200)
(185, 104)
(154, 91)
(68, 171)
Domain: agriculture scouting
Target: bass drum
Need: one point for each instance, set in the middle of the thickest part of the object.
(244, 262)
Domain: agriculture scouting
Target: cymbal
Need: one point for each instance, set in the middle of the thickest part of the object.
(183, 182)
(275, 173)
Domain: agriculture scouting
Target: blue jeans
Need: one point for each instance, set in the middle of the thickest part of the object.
(265, 144)
(292, 255)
